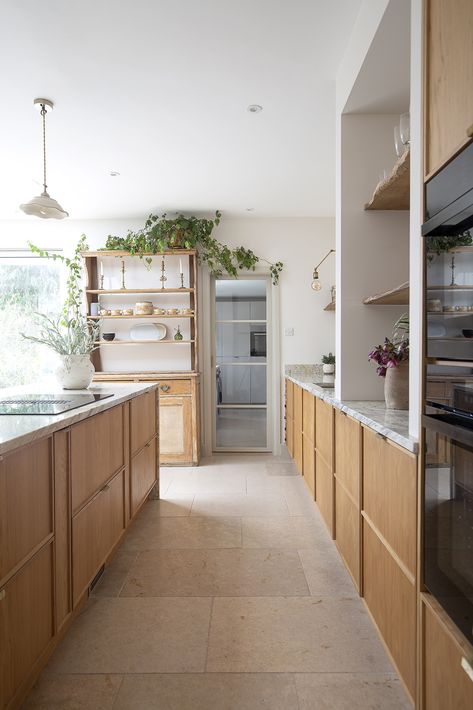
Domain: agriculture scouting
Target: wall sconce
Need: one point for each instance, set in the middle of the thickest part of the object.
(316, 285)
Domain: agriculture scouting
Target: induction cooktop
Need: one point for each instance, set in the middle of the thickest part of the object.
(48, 403)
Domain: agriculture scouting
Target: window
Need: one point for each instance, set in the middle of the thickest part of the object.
(28, 285)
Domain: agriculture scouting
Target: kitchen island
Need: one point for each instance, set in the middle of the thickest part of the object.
(70, 484)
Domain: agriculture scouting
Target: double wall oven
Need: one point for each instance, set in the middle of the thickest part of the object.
(448, 387)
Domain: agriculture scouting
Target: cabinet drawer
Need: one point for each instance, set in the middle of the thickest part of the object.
(297, 448)
(177, 387)
(95, 530)
(308, 464)
(143, 418)
(308, 415)
(26, 621)
(143, 474)
(324, 490)
(297, 407)
(26, 513)
(97, 452)
(348, 452)
(290, 436)
(347, 531)
(391, 599)
(446, 684)
(324, 430)
(390, 494)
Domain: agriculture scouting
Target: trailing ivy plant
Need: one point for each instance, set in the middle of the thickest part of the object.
(161, 234)
(439, 245)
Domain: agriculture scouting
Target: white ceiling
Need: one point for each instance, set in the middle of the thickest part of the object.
(158, 90)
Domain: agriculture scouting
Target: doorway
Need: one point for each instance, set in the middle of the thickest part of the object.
(242, 364)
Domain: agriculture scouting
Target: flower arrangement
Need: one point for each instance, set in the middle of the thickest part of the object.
(394, 350)
(328, 359)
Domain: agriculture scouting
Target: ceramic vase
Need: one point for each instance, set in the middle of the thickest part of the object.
(396, 386)
(328, 369)
(75, 372)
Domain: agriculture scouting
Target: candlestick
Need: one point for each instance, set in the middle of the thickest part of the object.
(163, 277)
(101, 282)
(182, 280)
(180, 266)
(101, 268)
(123, 274)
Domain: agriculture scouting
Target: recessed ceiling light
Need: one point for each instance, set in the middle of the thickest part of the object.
(114, 173)
(254, 108)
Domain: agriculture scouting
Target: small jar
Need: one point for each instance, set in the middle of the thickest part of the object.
(144, 308)
(128, 312)
(116, 312)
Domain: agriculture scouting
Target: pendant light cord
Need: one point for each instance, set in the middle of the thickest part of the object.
(43, 114)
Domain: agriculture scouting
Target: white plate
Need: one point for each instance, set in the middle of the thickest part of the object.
(149, 331)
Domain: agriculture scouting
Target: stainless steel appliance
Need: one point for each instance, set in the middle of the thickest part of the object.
(448, 386)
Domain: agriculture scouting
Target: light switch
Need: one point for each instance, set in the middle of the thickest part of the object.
(288, 331)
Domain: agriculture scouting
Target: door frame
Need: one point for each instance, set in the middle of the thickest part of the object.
(208, 411)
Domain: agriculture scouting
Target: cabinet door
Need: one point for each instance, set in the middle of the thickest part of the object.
(449, 78)
(390, 495)
(143, 420)
(26, 621)
(297, 416)
(324, 431)
(347, 463)
(324, 490)
(347, 529)
(175, 429)
(97, 452)
(308, 415)
(446, 684)
(95, 530)
(289, 399)
(308, 464)
(26, 508)
(144, 474)
(290, 436)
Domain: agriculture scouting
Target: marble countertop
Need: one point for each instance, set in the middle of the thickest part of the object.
(18, 430)
(391, 423)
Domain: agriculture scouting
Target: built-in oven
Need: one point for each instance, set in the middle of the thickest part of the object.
(448, 387)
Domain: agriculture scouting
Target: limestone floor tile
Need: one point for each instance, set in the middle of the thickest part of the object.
(208, 691)
(293, 634)
(211, 482)
(259, 483)
(281, 468)
(326, 574)
(183, 532)
(299, 500)
(73, 692)
(240, 505)
(291, 532)
(347, 691)
(136, 636)
(168, 506)
(115, 574)
(200, 573)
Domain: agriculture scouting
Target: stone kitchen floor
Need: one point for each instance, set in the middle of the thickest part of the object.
(227, 594)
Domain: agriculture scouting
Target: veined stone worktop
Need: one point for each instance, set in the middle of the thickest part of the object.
(18, 430)
(391, 423)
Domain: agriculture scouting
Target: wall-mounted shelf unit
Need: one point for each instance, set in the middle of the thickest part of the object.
(154, 317)
(398, 296)
(122, 291)
(392, 193)
(145, 342)
(330, 306)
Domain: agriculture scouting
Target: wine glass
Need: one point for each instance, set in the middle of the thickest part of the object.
(398, 144)
(405, 128)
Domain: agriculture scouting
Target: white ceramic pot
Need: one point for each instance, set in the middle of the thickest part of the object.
(328, 369)
(75, 372)
(396, 386)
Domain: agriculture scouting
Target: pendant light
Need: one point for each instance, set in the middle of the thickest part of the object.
(43, 205)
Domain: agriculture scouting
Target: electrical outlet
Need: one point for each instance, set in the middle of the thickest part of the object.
(288, 331)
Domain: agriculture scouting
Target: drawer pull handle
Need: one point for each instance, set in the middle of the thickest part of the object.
(380, 436)
(165, 388)
(469, 131)
(467, 667)
(105, 488)
(2, 594)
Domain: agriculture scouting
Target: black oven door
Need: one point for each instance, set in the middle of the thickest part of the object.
(448, 517)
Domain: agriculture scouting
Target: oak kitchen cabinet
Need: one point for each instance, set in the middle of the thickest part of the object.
(179, 421)
(289, 417)
(448, 113)
(65, 502)
(297, 431)
(308, 441)
(324, 440)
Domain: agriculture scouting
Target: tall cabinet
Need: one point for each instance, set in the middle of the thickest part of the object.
(148, 359)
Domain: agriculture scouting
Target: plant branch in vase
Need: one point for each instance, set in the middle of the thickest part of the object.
(392, 359)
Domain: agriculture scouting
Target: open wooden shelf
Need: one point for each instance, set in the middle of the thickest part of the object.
(103, 292)
(144, 342)
(398, 296)
(155, 317)
(120, 253)
(330, 306)
(450, 288)
(392, 193)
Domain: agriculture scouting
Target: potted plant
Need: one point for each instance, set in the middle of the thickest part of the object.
(160, 234)
(328, 364)
(392, 359)
(71, 335)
